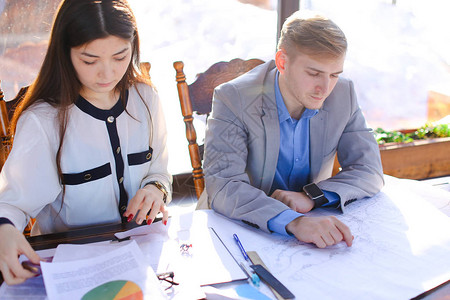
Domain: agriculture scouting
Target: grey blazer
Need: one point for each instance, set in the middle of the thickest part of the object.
(243, 141)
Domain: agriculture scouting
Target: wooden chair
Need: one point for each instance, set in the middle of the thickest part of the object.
(6, 112)
(145, 70)
(197, 97)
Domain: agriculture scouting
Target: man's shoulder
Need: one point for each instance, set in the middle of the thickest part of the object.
(342, 98)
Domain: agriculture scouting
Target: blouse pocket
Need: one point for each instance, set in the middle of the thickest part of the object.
(87, 176)
(140, 157)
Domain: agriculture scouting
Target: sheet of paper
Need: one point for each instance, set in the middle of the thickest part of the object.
(74, 279)
(70, 252)
(400, 249)
(204, 261)
(33, 287)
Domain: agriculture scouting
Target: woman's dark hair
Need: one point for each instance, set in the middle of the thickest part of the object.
(78, 22)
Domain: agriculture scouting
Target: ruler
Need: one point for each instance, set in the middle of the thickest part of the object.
(256, 260)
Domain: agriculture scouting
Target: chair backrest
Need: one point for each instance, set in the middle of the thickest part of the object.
(145, 70)
(197, 97)
(6, 112)
(4, 128)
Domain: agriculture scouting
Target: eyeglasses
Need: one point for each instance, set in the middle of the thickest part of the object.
(168, 278)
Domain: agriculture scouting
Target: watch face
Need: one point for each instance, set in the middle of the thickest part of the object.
(313, 190)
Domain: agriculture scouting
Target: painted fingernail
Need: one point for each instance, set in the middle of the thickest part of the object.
(149, 221)
(130, 217)
(165, 222)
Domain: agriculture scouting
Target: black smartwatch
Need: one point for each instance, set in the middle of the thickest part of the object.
(315, 194)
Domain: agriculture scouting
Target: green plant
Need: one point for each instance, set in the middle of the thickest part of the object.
(428, 131)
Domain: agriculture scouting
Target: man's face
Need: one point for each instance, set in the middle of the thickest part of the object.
(305, 81)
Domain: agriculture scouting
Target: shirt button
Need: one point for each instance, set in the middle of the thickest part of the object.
(118, 150)
(110, 119)
(296, 159)
(121, 180)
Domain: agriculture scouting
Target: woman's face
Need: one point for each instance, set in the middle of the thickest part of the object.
(100, 65)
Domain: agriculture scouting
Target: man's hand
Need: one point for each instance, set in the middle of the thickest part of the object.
(148, 199)
(297, 201)
(13, 243)
(321, 231)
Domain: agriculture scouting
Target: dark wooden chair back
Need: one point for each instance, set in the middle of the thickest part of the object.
(4, 128)
(197, 97)
(6, 112)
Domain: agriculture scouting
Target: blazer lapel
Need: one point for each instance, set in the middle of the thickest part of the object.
(271, 127)
(317, 134)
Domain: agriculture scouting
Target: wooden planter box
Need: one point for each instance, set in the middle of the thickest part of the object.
(416, 160)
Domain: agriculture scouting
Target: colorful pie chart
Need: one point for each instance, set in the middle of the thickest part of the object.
(115, 290)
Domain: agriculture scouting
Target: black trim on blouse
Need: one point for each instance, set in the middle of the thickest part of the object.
(109, 117)
(101, 114)
(5, 221)
(87, 176)
(140, 157)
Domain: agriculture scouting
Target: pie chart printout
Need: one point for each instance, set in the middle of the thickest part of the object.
(115, 290)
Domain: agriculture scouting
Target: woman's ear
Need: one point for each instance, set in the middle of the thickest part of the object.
(280, 60)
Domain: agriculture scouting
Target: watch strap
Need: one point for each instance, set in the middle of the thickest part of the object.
(160, 187)
(318, 202)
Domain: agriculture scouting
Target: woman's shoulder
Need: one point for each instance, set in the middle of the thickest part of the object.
(144, 91)
(41, 110)
(40, 118)
(144, 88)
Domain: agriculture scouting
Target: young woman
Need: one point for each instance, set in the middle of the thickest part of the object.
(89, 137)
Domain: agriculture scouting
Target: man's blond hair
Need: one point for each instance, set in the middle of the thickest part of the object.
(312, 34)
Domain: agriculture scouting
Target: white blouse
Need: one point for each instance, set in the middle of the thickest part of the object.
(106, 155)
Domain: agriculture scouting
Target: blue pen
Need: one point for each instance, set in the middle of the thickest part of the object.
(255, 278)
(241, 247)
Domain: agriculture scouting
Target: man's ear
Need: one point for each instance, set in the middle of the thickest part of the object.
(280, 60)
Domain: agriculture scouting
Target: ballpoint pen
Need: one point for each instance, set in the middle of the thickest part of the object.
(238, 242)
(255, 278)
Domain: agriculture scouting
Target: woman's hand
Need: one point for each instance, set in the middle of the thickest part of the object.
(13, 244)
(148, 199)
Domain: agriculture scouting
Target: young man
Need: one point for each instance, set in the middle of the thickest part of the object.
(273, 134)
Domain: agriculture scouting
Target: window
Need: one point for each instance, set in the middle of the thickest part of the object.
(398, 55)
(198, 32)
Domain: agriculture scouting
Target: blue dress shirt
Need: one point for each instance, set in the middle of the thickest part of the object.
(293, 166)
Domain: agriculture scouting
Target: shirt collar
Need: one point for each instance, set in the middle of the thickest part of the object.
(283, 113)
